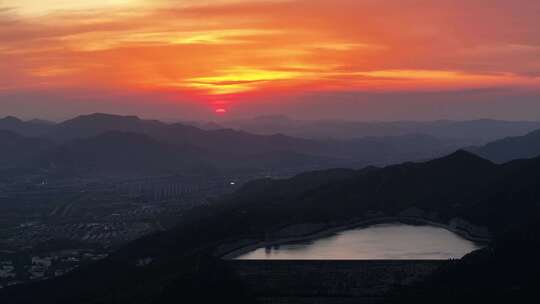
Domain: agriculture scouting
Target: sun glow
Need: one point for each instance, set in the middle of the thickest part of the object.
(239, 79)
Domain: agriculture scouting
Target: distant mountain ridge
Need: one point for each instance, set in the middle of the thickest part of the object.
(120, 152)
(214, 149)
(229, 140)
(28, 128)
(228, 146)
(510, 148)
(221, 139)
(111, 144)
(472, 131)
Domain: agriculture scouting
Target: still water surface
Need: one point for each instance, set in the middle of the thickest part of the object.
(385, 241)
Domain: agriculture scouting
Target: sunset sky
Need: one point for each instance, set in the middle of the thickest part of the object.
(197, 59)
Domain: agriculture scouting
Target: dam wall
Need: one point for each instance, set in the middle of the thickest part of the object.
(329, 281)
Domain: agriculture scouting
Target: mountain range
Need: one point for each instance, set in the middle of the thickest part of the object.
(107, 144)
(33, 127)
(111, 144)
(472, 132)
(509, 148)
(104, 144)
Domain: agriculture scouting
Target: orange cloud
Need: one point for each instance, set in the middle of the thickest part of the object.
(234, 47)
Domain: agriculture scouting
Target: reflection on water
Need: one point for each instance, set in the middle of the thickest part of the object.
(378, 242)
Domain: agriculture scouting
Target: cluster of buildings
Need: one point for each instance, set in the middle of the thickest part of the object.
(48, 228)
(20, 268)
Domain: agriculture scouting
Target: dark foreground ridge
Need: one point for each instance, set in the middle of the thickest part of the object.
(181, 264)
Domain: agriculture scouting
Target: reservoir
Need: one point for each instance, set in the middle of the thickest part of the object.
(393, 241)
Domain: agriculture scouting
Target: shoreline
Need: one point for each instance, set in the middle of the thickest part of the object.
(233, 254)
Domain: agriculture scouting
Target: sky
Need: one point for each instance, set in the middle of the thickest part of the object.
(204, 59)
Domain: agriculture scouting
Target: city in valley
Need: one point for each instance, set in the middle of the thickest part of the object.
(49, 228)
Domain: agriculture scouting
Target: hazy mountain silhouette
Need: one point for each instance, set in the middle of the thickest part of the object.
(392, 149)
(16, 149)
(470, 132)
(204, 125)
(95, 124)
(27, 128)
(111, 144)
(116, 152)
(10, 121)
(511, 148)
(121, 152)
(242, 144)
(224, 140)
(221, 149)
(41, 122)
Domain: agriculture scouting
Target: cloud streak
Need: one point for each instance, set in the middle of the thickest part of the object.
(241, 49)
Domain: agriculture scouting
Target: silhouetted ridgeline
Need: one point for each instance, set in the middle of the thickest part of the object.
(31, 128)
(179, 264)
(92, 145)
(105, 145)
(102, 144)
(481, 130)
(511, 148)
